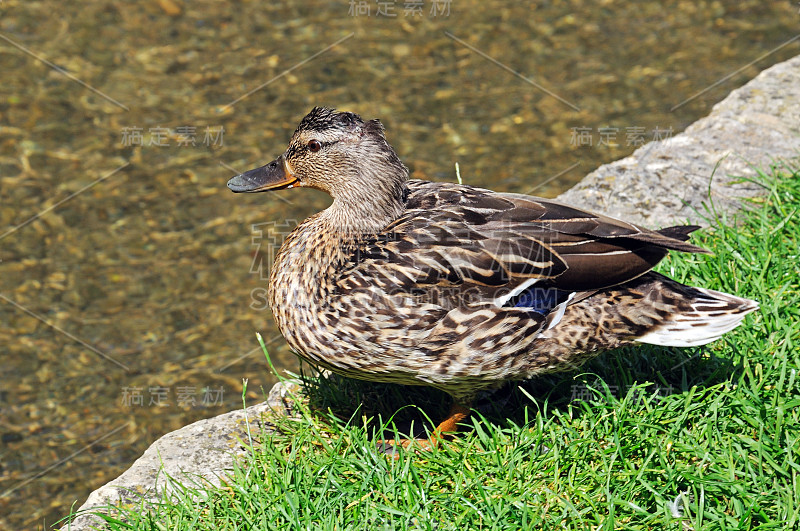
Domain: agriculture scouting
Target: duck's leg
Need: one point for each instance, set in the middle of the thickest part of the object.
(458, 412)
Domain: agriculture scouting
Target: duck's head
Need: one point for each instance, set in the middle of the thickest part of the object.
(341, 154)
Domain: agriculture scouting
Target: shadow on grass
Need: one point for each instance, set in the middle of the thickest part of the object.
(634, 373)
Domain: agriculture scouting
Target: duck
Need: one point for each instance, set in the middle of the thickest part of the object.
(461, 288)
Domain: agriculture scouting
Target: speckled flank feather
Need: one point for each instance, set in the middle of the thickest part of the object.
(461, 288)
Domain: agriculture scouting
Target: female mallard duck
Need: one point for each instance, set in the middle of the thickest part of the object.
(461, 288)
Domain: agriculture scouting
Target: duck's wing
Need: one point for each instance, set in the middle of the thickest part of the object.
(462, 245)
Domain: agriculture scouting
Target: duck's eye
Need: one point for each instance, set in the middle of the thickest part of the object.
(314, 145)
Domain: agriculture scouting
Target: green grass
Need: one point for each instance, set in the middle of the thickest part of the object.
(640, 438)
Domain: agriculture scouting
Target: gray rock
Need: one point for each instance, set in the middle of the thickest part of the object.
(661, 183)
(200, 452)
(670, 181)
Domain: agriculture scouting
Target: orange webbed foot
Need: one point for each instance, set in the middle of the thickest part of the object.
(448, 425)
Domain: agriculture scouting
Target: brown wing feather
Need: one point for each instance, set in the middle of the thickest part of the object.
(475, 241)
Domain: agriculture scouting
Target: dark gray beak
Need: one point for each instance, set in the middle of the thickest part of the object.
(274, 176)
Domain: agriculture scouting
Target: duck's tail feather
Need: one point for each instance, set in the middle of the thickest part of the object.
(679, 232)
(675, 238)
(699, 319)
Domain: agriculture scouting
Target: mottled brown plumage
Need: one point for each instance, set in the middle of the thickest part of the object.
(461, 288)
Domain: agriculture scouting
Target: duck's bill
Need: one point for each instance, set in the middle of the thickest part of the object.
(274, 176)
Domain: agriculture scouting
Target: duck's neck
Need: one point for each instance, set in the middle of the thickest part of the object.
(370, 206)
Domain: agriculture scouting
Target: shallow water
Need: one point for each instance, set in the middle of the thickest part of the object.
(130, 287)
